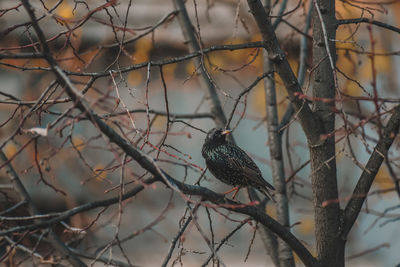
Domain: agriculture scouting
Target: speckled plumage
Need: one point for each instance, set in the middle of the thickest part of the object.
(230, 164)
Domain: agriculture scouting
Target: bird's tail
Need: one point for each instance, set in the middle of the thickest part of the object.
(267, 193)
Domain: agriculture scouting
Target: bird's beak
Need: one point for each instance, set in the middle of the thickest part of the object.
(226, 132)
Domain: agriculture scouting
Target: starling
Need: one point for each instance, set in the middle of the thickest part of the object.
(231, 165)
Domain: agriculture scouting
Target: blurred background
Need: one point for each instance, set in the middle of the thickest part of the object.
(82, 166)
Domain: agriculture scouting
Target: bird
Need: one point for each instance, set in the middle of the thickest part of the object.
(231, 165)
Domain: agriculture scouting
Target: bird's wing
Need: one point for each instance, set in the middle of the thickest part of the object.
(247, 166)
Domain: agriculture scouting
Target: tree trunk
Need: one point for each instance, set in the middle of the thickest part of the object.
(330, 247)
(278, 172)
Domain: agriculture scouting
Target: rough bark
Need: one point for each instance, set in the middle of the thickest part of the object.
(330, 248)
(316, 125)
(278, 172)
(275, 148)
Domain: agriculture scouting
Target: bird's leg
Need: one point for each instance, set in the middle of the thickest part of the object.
(236, 189)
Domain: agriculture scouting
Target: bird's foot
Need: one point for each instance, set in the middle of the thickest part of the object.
(236, 189)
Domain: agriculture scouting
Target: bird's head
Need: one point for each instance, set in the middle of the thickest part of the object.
(217, 136)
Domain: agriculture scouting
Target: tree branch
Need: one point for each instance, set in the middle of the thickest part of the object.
(364, 183)
(193, 42)
(79, 209)
(206, 194)
(147, 163)
(158, 63)
(54, 239)
(330, 248)
(367, 20)
(252, 211)
(301, 74)
(310, 123)
(277, 165)
(20, 55)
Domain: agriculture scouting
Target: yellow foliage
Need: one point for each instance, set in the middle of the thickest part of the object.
(351, 88)
(190, 68)
(294, 64)
(37, 62)
(88, 56)
(168, 71)
(160, 122)
(143, 47)
(307, 226)
(256, 37)
(271, 210)
(382, 179)
(225, 58)
(346, 61)
(69, 60)
(78, 143)
(382, 65)
(218, 60)
(141, 56)
(135, 78)
(100, 173)
(296, 258)
(239, 55)
(10, 150)
(65, 10)
(257, 62)
(346, 11)
(144, 44)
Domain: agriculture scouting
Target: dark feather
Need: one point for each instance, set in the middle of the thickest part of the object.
(230, 164)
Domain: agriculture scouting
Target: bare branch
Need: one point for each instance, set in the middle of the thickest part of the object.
(310, 124)
(370, 21)
(364, 183)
